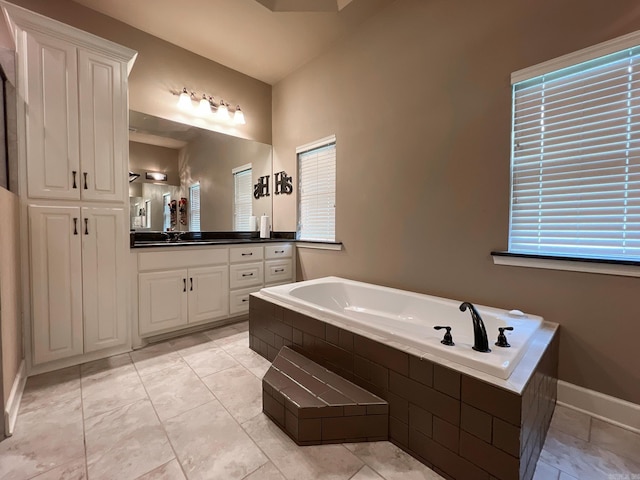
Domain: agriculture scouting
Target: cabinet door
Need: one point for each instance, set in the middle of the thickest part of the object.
(104, 295)
(56, 282)
(102, 128)
(162, 300)
(208, 293)
(50, 83)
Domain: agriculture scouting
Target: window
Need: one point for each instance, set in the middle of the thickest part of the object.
(242, 199)
(317, 190)
(194, 208)
(166, 213)
(575, 162)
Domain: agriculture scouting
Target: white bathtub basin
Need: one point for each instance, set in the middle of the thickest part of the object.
(409, 318)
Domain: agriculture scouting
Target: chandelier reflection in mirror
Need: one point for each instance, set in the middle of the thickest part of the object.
(208, 107)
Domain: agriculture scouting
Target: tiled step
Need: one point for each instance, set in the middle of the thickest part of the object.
(315, 406)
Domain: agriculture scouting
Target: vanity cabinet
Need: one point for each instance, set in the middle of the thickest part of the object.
(184, 286)
(174, 291)
(78, 298)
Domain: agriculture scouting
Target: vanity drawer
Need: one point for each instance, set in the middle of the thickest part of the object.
(239, 300)
(245, 275)
(277, 251)
(278, 271)
(245, 254)
(171, 258)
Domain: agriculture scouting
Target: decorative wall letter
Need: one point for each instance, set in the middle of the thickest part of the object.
(283, 183)
(261, 189)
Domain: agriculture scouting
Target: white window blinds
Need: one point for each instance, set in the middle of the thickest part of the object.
(194, 208)
(317, 192)
(576, 160)
(242, 199)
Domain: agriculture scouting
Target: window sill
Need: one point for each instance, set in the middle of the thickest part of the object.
(589, 265)
(319, 245)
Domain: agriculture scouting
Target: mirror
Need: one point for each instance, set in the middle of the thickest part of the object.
(197, 164)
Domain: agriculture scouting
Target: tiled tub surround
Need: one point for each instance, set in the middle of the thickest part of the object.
(464, 424)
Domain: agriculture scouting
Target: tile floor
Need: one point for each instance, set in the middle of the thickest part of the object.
(191, 408)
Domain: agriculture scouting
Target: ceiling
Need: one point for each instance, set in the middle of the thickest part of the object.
(265, 39)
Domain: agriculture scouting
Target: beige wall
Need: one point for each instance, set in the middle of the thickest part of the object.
(10, 312)
(152, 158)
(419, 99)
(162, 67)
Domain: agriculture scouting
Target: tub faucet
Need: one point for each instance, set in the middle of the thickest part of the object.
(480, 340)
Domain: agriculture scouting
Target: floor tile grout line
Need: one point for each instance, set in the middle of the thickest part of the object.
(164, 429)
(235, 420)
(269, 459)
(222, 405)
(84, 446)
(84, 430)
(159, 466)
(589, 442)
(128, 402)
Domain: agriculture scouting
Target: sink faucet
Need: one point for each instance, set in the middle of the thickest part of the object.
(480, 340)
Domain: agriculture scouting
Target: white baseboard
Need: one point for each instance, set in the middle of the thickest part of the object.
(604, 407)
(13, 402)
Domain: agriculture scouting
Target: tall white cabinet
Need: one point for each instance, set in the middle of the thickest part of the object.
(73, 159)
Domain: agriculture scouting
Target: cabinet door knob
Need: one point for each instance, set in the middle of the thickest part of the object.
(85, 180)
(191, 283)
(75, 226)
(73, 173)
(184, 284)
(86, 226)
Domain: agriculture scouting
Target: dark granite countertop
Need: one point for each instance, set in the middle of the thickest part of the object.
(195, 239)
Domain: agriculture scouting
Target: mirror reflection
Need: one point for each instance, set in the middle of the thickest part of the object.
(209, 183)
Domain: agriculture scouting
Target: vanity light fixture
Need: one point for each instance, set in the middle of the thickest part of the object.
(207, 106)
(184, 101)
(223, 111)
(204, 107)
(238, 116)
(157, 176)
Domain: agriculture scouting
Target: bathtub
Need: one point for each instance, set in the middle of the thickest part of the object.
(408, 318)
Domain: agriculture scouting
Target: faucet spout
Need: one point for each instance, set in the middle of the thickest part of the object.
(480, 340)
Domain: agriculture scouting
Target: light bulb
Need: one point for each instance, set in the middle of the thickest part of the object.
(223, 111)
(204, 107)
(238, 116)
(184, 101)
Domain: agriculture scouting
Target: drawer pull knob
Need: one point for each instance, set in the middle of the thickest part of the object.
(247, 254)
(278, 270)
(279, 251)
(247, 274)
(245, 300)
